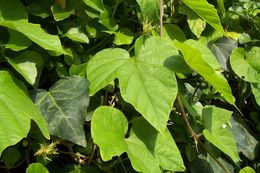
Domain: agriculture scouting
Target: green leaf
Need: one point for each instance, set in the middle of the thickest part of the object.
(206, 11)
(144, 81)
(194, 58)
(17, 41)
(95, 4)
(196, 24)
(241, 66)
(123, 36)
(222, 49)
(16, 112)
(108, 129)
(149, 9)
(27, 64)
(173, 32)
(8, 156)
(247, 169)
(40, 8)
(216, 132)
(36, 167)
(76, 35)
(255, 87)
(17, 19)
(106, 20)
(64, 9)
(252, 57)
(146, 148)
(64, 108)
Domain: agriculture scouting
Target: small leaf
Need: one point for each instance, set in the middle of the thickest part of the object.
(106, 20)
(241, 66)
(76, 35)
(206, 11)
(247, 169)
(16, 112)
(64, 107)
(27, 64)
(123, 36)
(36, 167)
(173, 32)
(149, 9)
(194, 58)
(216, 132)
(62, 9)
(17, 41)
(146, 148)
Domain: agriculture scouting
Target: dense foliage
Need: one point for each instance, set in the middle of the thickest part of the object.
(129, 86)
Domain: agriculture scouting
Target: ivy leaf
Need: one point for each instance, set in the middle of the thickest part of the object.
(145, 146)
(194, 58)
(37, 167)
(17, 19)
(64, 108)
(27, 64)
(206, 11)
(149, 9)
(214, 120)
(95, 4)
(241, 66)
(16, 112)
(222, 49)
(144, 81)
(62, 9)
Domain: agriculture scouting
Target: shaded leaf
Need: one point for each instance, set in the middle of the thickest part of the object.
(64, 108)
(246, 143)
(214, 120)
(222, 49)
(194, 59)
(36, 167)
(173, 32)
(16, 112)
(27, 64)
(95, 4)
(206, 11)
(139, 78)
(62, 9)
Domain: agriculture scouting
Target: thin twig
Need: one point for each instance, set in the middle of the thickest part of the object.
(161, 18)
(92, 154)
(119, 158)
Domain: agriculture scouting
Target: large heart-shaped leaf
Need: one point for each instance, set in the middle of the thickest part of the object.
(214, 120)
(16, 112)
(206, 11)
(146, 148)
(144, 81)
(64, 108)
(17, 19)
(194, 58)
(256, 91)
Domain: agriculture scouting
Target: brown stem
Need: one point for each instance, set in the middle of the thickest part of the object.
(161, 18)
(92, 154)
